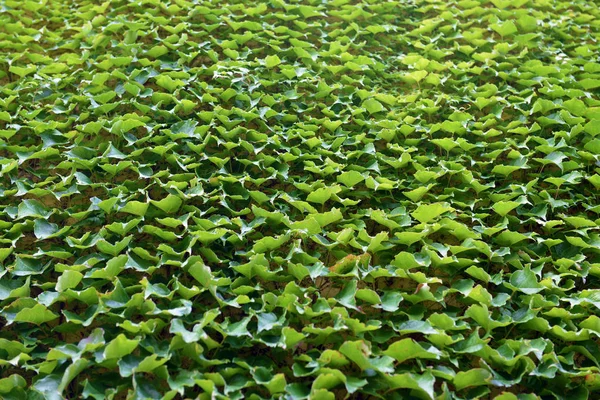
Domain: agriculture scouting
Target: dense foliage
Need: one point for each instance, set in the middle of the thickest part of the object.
(378, 199)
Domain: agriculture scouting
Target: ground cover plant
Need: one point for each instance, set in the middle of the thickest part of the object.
(316, 199)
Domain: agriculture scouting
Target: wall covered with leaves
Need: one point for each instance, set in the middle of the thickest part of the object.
(305, 199)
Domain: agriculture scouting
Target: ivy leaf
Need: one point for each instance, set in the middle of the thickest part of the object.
(32, 208)
(120, 347)
(526, 281)
(201, 273)
(11, 382)
(272, 61)
(68, 280)
(37, 315)
(593, 127)
(428, 212)
(185, 128)
(135, 207)
(423, 383)
(406, 349)
(474, 377)
(373, 106)
(593, 146)
(350, 178)
(506, 28)
(504, 207)
(358, 352)
(169, 204)
(44, 229)
(320, 196)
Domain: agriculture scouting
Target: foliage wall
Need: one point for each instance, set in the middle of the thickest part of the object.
(316, 199)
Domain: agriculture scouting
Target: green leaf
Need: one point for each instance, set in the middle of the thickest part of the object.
(423, 383)
(320, 196)
(157, 51)
(135, 208)
(113, 249)
(277, 384)
(272, 61)
(525, 281)
(408, 238)
(238, 329)
(593, 127)
(390, 301)
(11, 382)
(268, 243)
(184, 128)
(267, 321)
(350, 178)
(170, 84)
(481, 315)
(406, 349)
(504, 29)
(68, 280)
(445, 143)
(28, 266)
(593, 146)
(373, 106)
(37, 314)
(527, 23)
(32, 208)
(22, 71)
(346, 297)
(120, 347)
(589, 83)
(201, 273)
(48, 386)
(71, 372)
(504, 207)
(43, 229)
(14, 288)
(123, 126)
(579, 222)
(415, 76)
(291, 337)
(322, 394)
(428, 212)
(508, 238)
(474, 377)
(357, 351)
(169, 204)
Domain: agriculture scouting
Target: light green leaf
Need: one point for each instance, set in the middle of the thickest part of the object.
(350, 178)
(422, 383)
(373, 106)
(474, 377)
(135, 207)
(272, 61)
(406, 349)
(428, 212)
(37, 314)
(68, 280)
(120, 347)
(593, 127)
(506, 28)
(11, 382)
(526, 281)
(504, 207)
(169, 204)
(320, 196)
(358, 352)
(201, 273)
